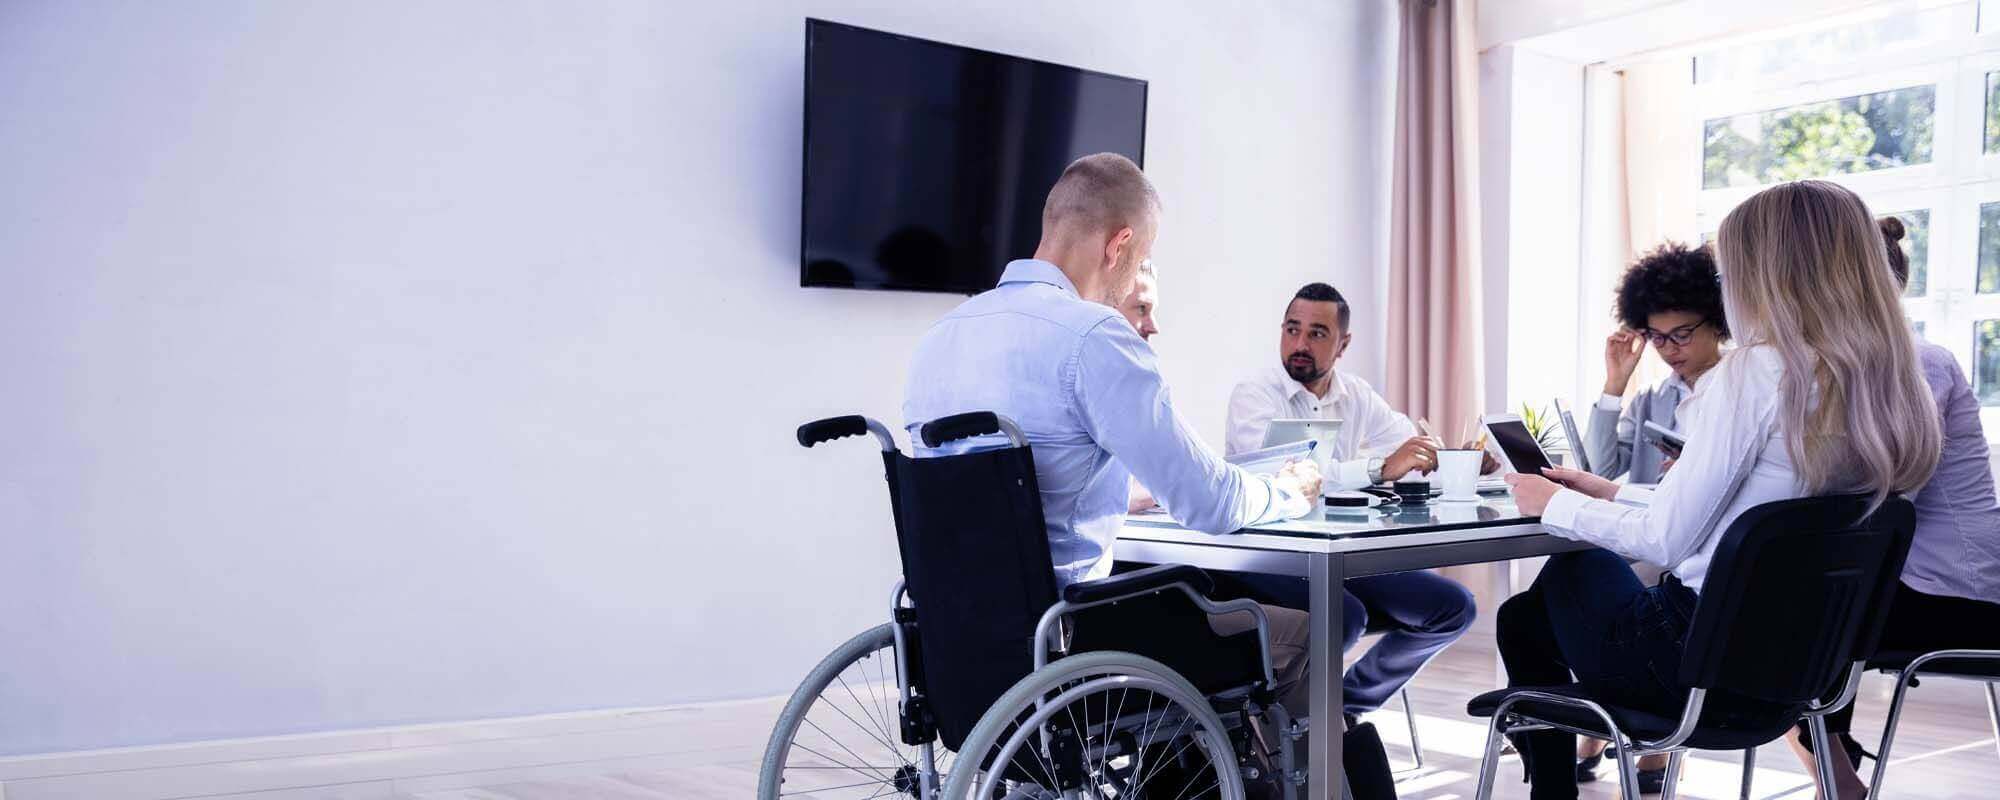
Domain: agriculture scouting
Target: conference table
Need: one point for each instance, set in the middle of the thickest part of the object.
(1332, 545)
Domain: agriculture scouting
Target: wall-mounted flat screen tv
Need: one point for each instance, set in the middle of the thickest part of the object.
(926, 163)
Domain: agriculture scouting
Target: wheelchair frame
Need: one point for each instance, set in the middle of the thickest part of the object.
(1051, 634)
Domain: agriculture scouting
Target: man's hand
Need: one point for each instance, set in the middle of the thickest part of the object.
(1667, 465)
(1621, 358)
(1416, 455)
(1587, 483)
(1301, 477)
(1487, 463)
(1137, 499)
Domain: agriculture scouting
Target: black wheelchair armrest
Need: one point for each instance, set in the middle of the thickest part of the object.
(1138, 582)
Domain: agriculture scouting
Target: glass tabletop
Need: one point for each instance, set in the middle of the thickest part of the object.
(1337, 522)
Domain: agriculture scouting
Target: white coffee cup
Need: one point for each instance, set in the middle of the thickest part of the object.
(1458, 474)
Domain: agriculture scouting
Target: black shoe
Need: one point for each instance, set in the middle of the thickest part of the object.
(1854, 751)
(1651, 781)
(1847, 743)
(1586, 768)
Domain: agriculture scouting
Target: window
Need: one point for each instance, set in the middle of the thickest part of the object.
(1986, 371)
(1883, 130)
(1916, 247)
(1989, 248)
(1903, 108)
(1831, 46)
(1992, 112)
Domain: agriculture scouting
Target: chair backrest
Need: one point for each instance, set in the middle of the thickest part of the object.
(976, 564)
(1798, 591)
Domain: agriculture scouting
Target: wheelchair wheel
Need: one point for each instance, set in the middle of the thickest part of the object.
(840, 735)
(1103, 724)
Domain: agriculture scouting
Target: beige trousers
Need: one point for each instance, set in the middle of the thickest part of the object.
(1289, 633)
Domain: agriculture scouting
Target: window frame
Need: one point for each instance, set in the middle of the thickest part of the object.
(1953, 185)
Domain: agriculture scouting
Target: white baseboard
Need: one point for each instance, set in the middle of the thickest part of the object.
(386, 763)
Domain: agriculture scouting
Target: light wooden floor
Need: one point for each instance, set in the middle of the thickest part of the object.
(1945, 749)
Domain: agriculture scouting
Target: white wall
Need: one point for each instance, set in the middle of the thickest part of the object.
(1531, 190)
(376, 362)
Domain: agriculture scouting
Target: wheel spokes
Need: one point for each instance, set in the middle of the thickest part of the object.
(851, 729)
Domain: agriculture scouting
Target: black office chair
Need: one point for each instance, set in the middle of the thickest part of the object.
(1113, 687)
(1904, 668)
(1795, 595)
(1974, 665)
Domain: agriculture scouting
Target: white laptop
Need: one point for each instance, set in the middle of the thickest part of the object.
(1287, 431)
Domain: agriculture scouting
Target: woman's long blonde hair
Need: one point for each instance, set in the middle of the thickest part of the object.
(1805, 273)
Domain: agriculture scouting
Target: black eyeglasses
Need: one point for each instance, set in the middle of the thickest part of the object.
(1679, 336)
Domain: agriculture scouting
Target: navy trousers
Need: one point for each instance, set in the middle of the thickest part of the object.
(1419, 613)
(1588, 616)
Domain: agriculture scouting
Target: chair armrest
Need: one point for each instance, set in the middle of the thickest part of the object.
(1138, 582)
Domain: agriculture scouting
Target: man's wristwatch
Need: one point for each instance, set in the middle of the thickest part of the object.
(1375, 469)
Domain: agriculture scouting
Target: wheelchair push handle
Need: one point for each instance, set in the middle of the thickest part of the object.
(831, 428)
(965, 426)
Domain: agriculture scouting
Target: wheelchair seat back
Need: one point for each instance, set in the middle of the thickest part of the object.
(976, 564)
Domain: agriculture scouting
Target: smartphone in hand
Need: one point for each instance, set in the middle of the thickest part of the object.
(1666, 440)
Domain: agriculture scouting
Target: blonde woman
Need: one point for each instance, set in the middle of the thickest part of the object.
(1823, 395)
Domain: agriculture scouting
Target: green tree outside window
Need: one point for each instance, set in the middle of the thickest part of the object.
(1834, 137)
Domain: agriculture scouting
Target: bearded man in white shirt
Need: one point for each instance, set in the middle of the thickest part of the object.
(1420, 613)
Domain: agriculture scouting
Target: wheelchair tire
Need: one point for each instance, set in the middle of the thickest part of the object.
(1082, 683)
(840, 731)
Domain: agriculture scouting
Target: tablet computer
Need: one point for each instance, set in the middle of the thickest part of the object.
(1287, 431)
(1268, 460)
(1523, 453)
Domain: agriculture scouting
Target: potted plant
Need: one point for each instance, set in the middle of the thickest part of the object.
(1547, 429)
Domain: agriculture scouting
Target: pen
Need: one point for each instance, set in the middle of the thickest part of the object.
(1424, 427)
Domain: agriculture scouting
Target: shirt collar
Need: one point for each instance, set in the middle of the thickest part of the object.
(1674, 382)
(1335, 389)
(1035, 270)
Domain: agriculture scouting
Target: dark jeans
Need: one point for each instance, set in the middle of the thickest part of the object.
(1920, 623)
(1588, 616)
(1420, 614)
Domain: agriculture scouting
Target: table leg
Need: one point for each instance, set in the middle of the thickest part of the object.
(1500, 584)
(1325, 574)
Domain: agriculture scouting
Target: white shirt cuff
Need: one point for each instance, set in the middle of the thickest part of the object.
(1291, 505)
(1611, 402)
(1563, 509)
(1350, 475)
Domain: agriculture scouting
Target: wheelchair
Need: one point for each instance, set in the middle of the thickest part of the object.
(987, 682)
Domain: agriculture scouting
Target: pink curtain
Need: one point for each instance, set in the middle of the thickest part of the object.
(1436, 361)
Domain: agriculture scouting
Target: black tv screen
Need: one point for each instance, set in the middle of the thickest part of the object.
(926, 164)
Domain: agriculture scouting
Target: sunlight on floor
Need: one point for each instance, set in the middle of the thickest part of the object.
(1704, 775)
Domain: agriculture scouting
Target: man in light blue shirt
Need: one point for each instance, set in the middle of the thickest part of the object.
(1048, 349)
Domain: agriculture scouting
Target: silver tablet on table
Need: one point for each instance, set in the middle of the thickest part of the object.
(1286, 431)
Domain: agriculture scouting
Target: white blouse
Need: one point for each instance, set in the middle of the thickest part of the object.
(1735, 459)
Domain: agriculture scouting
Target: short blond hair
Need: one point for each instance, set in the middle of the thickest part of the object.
(1100, 193)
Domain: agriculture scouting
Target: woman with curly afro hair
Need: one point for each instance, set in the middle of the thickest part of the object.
(1670, 298)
